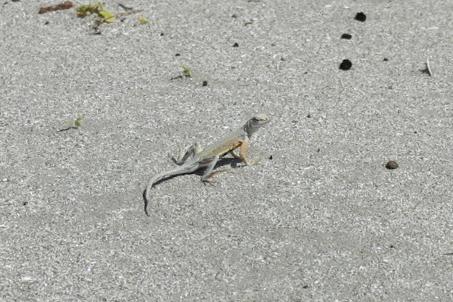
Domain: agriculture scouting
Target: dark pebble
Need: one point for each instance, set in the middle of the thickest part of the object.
(309, 115)
(205, 83)
(270, 157)
(346, 36)
(385, 59)
(177, 54)
(25, 203)
(391, 165)
(360, 17)
(46, 23)
(236, 44)
(345, 65)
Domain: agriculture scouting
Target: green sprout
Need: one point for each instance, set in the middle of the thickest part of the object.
(74, 124)
(143, 20)
(96, 9)
(186, 71)
(78, 122)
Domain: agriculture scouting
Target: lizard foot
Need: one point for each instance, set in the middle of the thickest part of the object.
(209, 182)
(208, 179)
(254, 162)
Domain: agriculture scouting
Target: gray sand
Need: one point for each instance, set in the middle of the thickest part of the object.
(323, 220)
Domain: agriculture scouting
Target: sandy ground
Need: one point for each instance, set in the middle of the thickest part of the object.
(319, 219)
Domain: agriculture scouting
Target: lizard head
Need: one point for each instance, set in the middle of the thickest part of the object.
(260, 119)
(255, 123)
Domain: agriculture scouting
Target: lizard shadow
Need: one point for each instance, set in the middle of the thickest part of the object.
(232, 162)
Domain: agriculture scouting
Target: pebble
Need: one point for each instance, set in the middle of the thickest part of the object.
(391, 165)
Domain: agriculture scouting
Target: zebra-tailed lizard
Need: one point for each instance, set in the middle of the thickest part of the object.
(196, 157)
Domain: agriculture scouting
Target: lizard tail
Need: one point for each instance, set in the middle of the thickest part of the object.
(162, 176)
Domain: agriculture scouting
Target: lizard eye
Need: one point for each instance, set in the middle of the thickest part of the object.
(258, 119)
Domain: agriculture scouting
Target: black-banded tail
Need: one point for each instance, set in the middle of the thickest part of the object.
(162, 176)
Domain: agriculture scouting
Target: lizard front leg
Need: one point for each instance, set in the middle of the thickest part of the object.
(208, 173)
(244, 153)
(234, 154)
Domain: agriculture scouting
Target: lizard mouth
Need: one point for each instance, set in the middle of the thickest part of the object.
(261, 119)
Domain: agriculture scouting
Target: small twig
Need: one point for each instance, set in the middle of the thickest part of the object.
(52, 8)
(428, 68)
(125, 7)
(68, 128)
(177, 77)
(129, 12)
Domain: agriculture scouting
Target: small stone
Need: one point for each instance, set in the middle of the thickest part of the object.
(360, 17)
(346, 65)
(385, 59)
(236, 44)
(346, 36)
(161, 34)
(205, 83)
(46, 23)
(391, 165)
(309, 115)
(25, 203)
(270, 157)
(177, 54)
(234, 16)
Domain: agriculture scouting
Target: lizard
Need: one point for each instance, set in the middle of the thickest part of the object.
(196, 157)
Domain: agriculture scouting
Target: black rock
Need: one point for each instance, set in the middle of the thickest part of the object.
(360, 17)
(346, 64)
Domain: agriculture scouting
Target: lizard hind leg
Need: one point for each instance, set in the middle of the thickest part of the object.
(189, 153)
(211, 181)
(208, 173)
